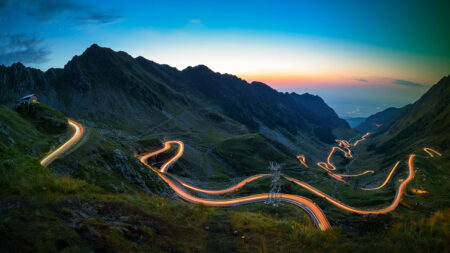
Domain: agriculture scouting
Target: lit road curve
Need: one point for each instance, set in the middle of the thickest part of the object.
(312, 209)
(165, 166)
(344, 147)
(362, 139)
(430, 152)
(385, 181)
(346, 207)
(78, 133)
(227, 190)
(166, 147)
(302, 159)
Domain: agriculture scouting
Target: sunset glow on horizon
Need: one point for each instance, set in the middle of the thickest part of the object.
(384, 53)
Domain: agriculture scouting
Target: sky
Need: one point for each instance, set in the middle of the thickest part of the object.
(359, 56)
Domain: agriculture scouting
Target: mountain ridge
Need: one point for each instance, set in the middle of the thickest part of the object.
(424, 122)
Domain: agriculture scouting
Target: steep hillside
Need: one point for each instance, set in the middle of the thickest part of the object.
(126, 99)
(373, 122)
(424, 123)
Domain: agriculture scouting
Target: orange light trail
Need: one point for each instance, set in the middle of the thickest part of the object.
(324, 166)
(337, 177)
(343, 206)
(302, 159)
(419, 191)
(167, 146)
(346, 145)
(328, 166)
(385, 181)
(362, 139)
(227, 190)
(355, 175)
(432, 150)
(312, 209)
(76, 136)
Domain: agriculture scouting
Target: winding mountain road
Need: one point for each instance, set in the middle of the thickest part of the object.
(78, 133)
(312, 209)
(346, 207)
(316, 214)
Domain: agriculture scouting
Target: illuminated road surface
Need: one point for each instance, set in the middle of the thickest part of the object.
(166, 147)
(430, 151)
(312, 209)
(227, 190)
(302, 159)
(344, 147)
(385, 181)
(346, 207)
(362, 139)
(78, 133)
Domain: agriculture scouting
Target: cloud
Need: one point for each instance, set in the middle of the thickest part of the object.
(22, 48)
(408, 83)
(195, 21)
(357, 110)
(361, 80)
(48, 10)
(100, 18)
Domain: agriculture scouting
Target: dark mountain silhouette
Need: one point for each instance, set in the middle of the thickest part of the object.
(111, 86)
(378, 119)
(424, 123)
(126, 99)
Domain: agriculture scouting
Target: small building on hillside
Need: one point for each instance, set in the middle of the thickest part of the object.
(28, 99)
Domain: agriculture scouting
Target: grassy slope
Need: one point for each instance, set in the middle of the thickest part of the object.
(52, 212)
(44, 211)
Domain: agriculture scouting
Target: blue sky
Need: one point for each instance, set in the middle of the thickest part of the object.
(360, 56)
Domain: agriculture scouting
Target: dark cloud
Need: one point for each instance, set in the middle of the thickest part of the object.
(48, 10)
(22, 48)
(408, 83)
(3, 4)
(100, 17)
(361, 80)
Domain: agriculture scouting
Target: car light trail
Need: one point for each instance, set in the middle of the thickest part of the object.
(346, 207)
(302, 159)
(312, 209)
(362, 139)
(227, 190)
(385, 181)
(166, 147)
(76, 136)
(333, 149)
(419, 191)
(337, 177)
(328, 166)
(324, 166)
(355, 175)
(430, 150)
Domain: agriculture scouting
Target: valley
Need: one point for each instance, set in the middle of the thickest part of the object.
(165, 152)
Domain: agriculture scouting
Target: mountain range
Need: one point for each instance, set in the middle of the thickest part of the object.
(128, 98)
(99, 197)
